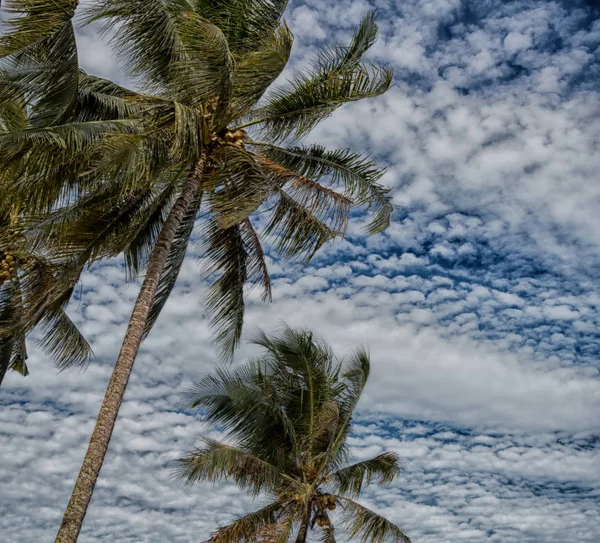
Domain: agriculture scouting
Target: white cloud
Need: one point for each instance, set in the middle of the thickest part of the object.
(479, 305)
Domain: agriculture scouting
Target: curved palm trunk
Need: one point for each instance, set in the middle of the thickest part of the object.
(94, 457)
(302, 533)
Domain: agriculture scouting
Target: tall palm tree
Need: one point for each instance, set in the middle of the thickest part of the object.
(288, 415)
(105, 170)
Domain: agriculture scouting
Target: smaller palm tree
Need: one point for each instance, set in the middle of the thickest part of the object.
(289, 414)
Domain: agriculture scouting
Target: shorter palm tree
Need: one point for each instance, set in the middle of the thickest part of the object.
(289, 414)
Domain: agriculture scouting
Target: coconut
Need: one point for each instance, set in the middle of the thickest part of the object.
(331, 499)
(331, 506)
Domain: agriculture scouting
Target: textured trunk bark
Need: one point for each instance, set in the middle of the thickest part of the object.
(303, 532)
(94, 457)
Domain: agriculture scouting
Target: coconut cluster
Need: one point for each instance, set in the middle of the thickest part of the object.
(235, 137)
(328, 501)
(7, 266)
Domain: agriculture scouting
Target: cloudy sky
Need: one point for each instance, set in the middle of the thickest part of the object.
(479, 305)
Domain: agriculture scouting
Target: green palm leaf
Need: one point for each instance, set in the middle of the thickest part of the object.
(215, 462)
(247, 528)
(356, 174)
(41, 51)
(63, 341)
(337, 77)
(256, 70)
(172, 268)
(194, 63)
(368, 526)
(236, 254)
(351, 479)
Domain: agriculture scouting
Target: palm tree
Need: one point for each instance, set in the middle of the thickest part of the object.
(288, 415)
(105, 170)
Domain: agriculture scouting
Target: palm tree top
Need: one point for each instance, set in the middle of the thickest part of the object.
(287, 416)
(99, 165)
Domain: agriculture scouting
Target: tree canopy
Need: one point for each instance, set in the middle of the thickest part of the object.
(287, 415)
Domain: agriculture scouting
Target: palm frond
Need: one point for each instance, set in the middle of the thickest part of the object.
(246, 529)
(20, 356)
(63, 341)
(216, 461)
(356, 174)
(252, 409)
(241, 186)
(328, 534)
(40, 48)
(13, 350)
(171, 47)
(351, 479)
(236, 254)
(368, 526)
(337, 77)
(175, 259)
(139, 246)
(13, 110)
(246, 24)
(295, 230)
(331, 207)
(101, 99)
(256, 70)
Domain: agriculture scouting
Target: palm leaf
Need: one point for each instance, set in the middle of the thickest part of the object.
(250, 408)
(337, 77)
(241, 186)
(172, 48)
(63, 341)
(41, 49)
(173, 265)
(329, 206)
(247, 24)
(216, 461)
(296, 231)
(236, 254)
(369, 526)
(256, 70)
(351, 479)
(245, 529)
(101, 99)
(357, 174)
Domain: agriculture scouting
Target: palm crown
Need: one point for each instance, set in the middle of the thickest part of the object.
(289, 414)
(100, 166)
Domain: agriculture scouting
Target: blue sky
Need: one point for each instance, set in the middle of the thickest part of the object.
(479, 305)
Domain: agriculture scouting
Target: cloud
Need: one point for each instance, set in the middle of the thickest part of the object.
(479, 305)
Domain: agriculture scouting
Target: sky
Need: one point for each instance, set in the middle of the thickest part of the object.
(479, 304)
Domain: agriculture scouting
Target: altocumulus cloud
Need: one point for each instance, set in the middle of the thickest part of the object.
(479, 305)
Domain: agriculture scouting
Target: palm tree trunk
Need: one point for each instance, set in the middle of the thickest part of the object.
(94, 457)
(303, 532)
